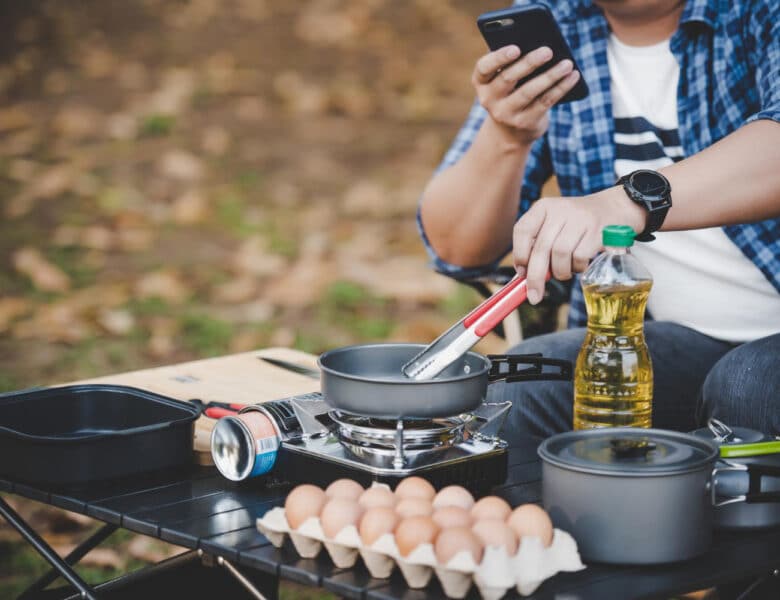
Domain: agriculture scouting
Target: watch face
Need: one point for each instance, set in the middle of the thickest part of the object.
(649, 183)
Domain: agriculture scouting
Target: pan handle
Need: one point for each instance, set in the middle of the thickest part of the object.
(754, 495)
(528, 367)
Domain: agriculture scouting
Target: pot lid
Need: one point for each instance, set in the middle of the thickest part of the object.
(628, 451)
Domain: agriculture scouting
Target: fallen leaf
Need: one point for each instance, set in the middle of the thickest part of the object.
(236, 290)
(121, 126)
(189, 208)
(250, 108)
(77, 122)
(57, 322)
(97, 237)
(283, 336)
(132, 76)
(302, 285)
(253, 257)
(15, 117)
(52, 182)
(163, 331)
(165, 284)
(96, 61)
(149, 550)
(244, 341)
(104, 558)
(116, 322)
(135, 239)
(180, 165)
(215, 140)
(11, 309)
(44, 275)
(21, 169)
(56, 82)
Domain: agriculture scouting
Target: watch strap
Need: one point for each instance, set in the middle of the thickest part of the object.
(655, 218)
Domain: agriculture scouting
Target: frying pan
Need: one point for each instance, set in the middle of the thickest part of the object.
(367, 380)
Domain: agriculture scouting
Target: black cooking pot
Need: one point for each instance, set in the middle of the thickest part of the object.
(747, 485)
(367, 380)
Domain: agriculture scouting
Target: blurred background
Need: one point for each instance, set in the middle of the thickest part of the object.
(188, 178)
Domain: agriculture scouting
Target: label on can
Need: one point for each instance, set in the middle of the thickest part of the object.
(266, 449)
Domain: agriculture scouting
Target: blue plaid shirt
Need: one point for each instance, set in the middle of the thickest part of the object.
(729, 56)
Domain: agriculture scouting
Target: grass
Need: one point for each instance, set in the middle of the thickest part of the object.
(157, 125)
(206, 335)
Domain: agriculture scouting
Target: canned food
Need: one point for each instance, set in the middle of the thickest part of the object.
(245, 445)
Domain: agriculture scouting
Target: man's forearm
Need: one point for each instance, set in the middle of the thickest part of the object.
(736, 180)
(469, 209)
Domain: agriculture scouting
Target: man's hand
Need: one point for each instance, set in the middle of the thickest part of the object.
(521, 112)
(563, 234)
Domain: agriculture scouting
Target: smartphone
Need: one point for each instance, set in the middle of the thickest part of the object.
(530, 27)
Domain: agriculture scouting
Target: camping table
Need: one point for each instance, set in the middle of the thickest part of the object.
(215, 519)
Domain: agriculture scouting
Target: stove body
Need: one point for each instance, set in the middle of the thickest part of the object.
(319, 445)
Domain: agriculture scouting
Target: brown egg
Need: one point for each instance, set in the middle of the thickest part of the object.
(531, 520)
(494, 532)
(344, 488)
(452, 516)
(414, 531)
(491, 507)
(413, 507)
(453, 495)
(338, 513)
(415, 487)
(376, 522)
(456, 539)
(303, 502)
(377, 496)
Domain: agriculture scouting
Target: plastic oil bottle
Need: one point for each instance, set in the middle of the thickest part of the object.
(613, 380)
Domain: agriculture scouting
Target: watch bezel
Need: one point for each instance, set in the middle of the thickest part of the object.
(650, 200)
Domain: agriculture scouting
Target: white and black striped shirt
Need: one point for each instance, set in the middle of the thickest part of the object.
(700, 278)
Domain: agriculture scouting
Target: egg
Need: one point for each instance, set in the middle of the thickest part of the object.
(377, 496)
(531, 520)
(452, 516)
(491, 507)
(451, 541)
(494, 532)
(453, 495)
(415, 487)
(344, 488)
(338, 513)
(412, 532)
(376, 522)
(303, 502)
(413, 507)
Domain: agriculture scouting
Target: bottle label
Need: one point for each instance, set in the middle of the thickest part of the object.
(266, 449)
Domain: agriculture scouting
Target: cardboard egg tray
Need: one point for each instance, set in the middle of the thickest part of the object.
(494, 576)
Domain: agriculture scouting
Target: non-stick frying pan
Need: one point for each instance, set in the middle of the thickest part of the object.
(367, 380)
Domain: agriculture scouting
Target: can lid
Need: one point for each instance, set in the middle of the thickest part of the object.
(232, 448)
(617, 236)
(628, 451)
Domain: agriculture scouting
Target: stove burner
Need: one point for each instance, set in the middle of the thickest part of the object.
(383, 442)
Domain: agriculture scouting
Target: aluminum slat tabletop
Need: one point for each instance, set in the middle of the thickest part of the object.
(198, 509)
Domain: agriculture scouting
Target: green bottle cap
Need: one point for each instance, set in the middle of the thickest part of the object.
(617, 235)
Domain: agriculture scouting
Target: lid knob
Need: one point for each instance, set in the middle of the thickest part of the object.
(631, 447)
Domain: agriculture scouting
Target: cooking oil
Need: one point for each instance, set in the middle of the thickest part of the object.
(613, 380)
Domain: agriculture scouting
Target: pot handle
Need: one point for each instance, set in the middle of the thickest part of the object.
(527, 367)
(754, 494)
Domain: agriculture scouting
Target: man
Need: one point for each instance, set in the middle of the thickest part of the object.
(688, 89)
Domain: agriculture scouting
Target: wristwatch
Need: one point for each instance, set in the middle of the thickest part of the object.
(653, 192)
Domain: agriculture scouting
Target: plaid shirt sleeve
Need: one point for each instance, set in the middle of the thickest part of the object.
(763, 45)
(537, 170)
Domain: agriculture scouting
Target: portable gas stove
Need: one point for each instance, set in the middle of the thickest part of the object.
(319, 444)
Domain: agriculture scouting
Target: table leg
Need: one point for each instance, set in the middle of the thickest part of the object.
(46, 551)
(75, 556)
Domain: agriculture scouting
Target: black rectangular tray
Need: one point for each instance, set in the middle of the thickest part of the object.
(84, 433)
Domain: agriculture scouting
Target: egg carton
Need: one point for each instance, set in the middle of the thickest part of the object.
(496, 574)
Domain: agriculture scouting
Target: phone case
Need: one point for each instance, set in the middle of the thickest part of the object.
(532, 27)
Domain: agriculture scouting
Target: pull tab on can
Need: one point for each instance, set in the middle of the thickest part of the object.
(245, 445)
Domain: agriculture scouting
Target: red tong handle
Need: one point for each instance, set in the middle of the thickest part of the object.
(480, 310)
(495, 309)
(216, 412)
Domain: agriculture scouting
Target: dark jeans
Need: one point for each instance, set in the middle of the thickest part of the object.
(694, 377)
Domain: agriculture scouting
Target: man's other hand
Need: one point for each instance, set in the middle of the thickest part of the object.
(564, 234)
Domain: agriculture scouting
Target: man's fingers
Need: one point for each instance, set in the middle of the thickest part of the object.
(487, 66)
(523, 237)
(563, 250)
(539, 263)
(508, 78)
(586, 249)
(558, 91)
(530, 91)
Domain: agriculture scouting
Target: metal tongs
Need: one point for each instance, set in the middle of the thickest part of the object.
(459, 338)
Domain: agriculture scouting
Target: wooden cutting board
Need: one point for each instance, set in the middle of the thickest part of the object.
(236, 378)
